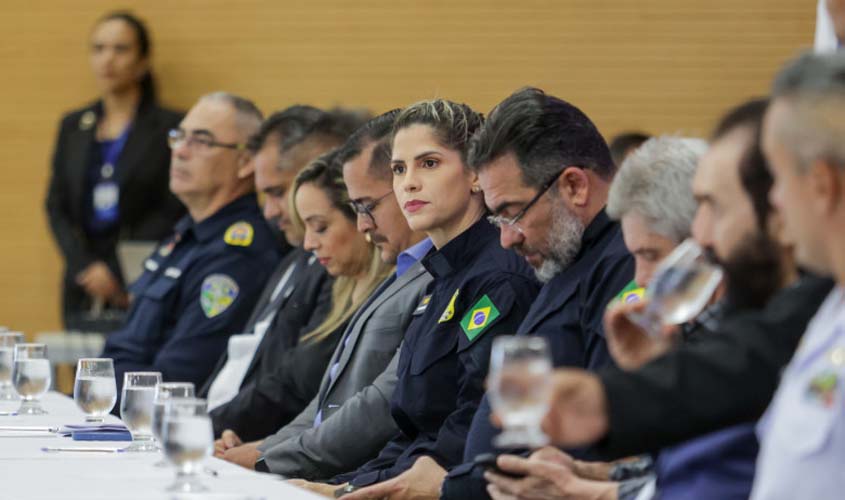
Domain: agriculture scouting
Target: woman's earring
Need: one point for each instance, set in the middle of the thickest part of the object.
(476, 189)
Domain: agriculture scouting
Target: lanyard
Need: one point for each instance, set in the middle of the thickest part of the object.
(111, 154)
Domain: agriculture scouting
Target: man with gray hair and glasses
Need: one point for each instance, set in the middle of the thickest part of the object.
(802, 434)
(200, 284)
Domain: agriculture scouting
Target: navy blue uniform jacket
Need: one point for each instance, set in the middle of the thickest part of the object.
(197, 289)
(569, 313)
(444, 358)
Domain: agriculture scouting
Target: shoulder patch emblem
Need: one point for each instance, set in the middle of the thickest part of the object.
(239, 234)
(479, 317)
(422, 306)
(449, 312)
(629, 295)
(217, 293)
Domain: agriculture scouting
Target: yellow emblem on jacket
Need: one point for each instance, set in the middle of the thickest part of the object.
(449, 312)
(239, 234)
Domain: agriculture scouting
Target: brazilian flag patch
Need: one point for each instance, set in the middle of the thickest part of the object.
(630, 294)
(479, 317)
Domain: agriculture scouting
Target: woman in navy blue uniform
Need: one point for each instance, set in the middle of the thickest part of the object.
(479, 291)
(110, 173)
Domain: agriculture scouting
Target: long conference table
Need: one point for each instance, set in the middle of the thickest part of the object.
(27, 472)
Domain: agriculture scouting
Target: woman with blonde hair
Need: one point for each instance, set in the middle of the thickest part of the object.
(320, 210)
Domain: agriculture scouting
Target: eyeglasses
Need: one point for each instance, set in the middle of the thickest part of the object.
(176, 137)
(500, 221)
(366, 209)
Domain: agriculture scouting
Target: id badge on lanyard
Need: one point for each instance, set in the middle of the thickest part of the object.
(106, 191)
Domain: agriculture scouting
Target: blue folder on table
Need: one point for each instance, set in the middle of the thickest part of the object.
(105, 432)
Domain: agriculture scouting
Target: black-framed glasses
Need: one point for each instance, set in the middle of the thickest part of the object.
(366, 208)
(176, 137)
(499, 220)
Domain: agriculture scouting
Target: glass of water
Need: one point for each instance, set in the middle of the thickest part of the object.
(682, 286)
(7, 360)
(188, 439)
(519, 389)
(31, 376)
(164, 392)
(136, 408)
(95, 390)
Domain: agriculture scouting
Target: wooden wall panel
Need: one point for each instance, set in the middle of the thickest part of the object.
(658, 65)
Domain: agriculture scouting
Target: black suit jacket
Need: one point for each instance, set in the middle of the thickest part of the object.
(725, 378)
(284, 373)
(147, 209)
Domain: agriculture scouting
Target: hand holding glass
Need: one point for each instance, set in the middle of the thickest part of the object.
(187, 438)
(519, 390)
(31, 376)
(7, 361)
(136, 408)
(95, 390)
(680, 289)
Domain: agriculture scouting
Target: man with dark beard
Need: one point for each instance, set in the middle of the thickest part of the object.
(545, 172)
(723, 379)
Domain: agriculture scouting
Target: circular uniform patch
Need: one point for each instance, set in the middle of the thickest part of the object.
(217, 293)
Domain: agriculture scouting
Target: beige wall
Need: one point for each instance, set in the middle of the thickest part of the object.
(658, 65)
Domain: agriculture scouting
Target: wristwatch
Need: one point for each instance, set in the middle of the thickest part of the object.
(343, 490)
(261, 465)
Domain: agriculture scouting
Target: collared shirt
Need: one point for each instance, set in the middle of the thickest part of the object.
(198, 288)
(412, 255)
(802, 434)
(479, 291)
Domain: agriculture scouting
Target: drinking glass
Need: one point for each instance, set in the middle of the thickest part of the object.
(519, 389)
(95, 390)
(31, 376)
(187, 438)
(164, 392)
(7, 361)
(680, 289)
(136, 408)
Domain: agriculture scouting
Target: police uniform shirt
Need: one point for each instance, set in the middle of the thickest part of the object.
(197, 288)
(568, 312)
(479, 291)
(802, 434)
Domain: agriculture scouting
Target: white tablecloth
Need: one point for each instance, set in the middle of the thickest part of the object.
(28, 473)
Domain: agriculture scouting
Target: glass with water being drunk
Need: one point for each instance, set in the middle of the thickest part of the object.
(682, 286)
(164, 392)
(95, 390)
(7, 361)
(136, 408)
(31, 376)
(188, 439)
(519, 389)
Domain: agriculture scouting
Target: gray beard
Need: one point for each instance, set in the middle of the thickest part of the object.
(563, 241)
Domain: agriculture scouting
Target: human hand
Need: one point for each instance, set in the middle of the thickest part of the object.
(229, 439)
(245, 455)
(547, 474)
(99, 282)
(421, 482)
(577, 414)
(628, 342)
(326, 490)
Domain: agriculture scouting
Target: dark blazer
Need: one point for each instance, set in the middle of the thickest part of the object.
(148, 211)
(683, 394)
(297, 303)
(284, 373)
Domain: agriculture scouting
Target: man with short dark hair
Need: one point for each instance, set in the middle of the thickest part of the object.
(200, 285)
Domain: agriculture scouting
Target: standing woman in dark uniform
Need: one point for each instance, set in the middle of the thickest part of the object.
(479, 291)
(110, 173)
